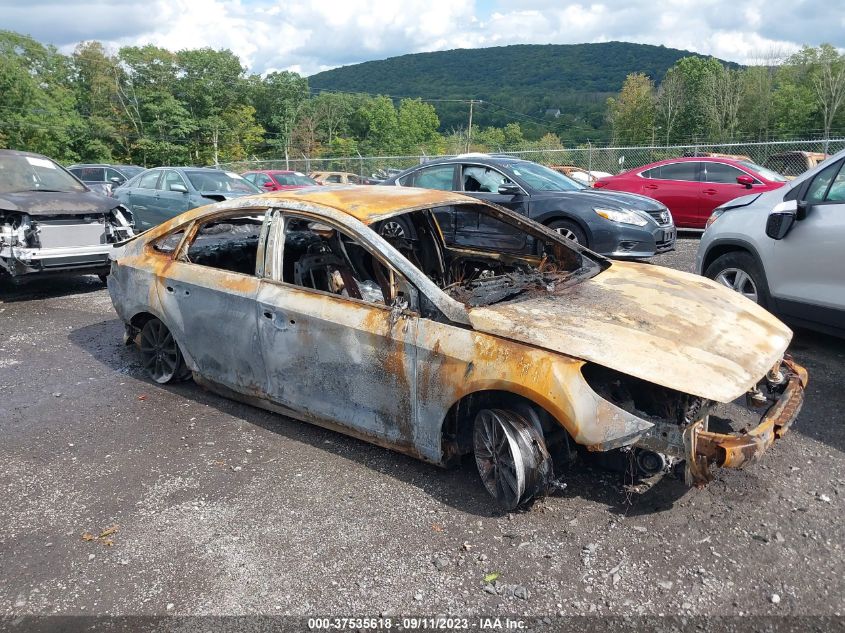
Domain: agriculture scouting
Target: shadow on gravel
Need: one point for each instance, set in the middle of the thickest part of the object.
(47, 287)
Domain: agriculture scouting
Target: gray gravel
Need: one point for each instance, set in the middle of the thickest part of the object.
(220, 508)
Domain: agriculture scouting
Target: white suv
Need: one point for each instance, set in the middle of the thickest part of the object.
(785, 249)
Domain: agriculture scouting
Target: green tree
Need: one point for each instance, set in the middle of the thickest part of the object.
(632, 113)
(417, 127)
(37, 104)
(278, 100)
(697, 73)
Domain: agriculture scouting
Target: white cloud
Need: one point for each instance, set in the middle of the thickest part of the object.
(311, 36)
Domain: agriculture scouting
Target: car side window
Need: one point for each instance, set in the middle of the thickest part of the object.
(169, 243)
(686, 171)
(113, 173)
(334, 178)
(148, 180)
(439, 177)
(352, 178)
(818, 189)
(251, 178)
(88, 174)
(321, 257)
(227, 244)
(481, 179)
(836, 191)
(721, 173)
(171, 178)
(654, 172)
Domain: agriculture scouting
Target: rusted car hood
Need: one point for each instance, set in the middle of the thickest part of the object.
(675, 329)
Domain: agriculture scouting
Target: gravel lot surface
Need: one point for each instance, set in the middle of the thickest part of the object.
(220, 508)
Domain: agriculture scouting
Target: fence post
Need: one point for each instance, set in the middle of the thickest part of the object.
(589, 156)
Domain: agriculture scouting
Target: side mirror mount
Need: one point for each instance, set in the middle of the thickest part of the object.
(178, 187)
(801, 210)
(781, 219)
(509, 189)
(268, 185)
(117, 180)
(745, 180)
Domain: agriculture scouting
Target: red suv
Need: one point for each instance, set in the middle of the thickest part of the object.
(693, 187)
(279, 179)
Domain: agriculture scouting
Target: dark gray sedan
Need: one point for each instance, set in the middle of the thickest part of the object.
(609, 222)
(162, 193)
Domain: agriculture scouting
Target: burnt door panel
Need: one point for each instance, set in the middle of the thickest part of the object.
(331, 359)
(212, 314)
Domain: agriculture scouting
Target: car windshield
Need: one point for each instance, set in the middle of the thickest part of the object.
(130, 171)
(34, 173)
(219, 181)
(766, 173)
(294, 179)
(542, 178)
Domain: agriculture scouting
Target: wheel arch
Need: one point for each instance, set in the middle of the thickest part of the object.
(457, 427)
(723, 247)
(552, 216)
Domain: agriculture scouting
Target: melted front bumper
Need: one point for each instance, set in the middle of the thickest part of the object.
(734, 450)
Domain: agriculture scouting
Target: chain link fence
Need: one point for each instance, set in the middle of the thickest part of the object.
(789, 158)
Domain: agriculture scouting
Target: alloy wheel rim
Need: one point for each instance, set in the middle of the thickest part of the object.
(740, 281)
(159, 352)
(567, 233)
(392, 229)
(499, 459)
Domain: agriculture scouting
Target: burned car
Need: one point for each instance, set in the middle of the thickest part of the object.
(51, 222)
(293, 301)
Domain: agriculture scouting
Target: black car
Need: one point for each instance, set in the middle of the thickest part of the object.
(103, 178)
(609, 222)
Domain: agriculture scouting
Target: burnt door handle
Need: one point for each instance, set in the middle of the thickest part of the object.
(169, 289)
(267, 314)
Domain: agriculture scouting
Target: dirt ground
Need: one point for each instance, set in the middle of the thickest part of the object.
(220, 508)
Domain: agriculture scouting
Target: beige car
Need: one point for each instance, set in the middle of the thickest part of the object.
(293, 301)
(337, 178)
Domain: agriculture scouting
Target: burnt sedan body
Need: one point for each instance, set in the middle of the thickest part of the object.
(294, 302)
(52, 223)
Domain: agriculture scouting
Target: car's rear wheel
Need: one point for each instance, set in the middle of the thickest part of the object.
(569, 230)
(511, 456)
(160, 354)
(739, 271)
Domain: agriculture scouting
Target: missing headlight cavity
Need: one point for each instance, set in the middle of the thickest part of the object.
(644, 399)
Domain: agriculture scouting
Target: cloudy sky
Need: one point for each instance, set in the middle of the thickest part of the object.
(310, 36)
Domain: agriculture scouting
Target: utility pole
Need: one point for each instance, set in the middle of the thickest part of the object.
(469, 127)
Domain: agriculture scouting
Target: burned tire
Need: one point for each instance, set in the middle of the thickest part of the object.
(570, 230)
(160, 354)
(511, 456)
(739, 271)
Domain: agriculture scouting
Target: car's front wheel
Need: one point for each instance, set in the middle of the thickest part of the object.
(511, 456)
(160, 354)
(739, 271)
(569, 230)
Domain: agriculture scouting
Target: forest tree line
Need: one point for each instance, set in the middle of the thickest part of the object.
(150, 106)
